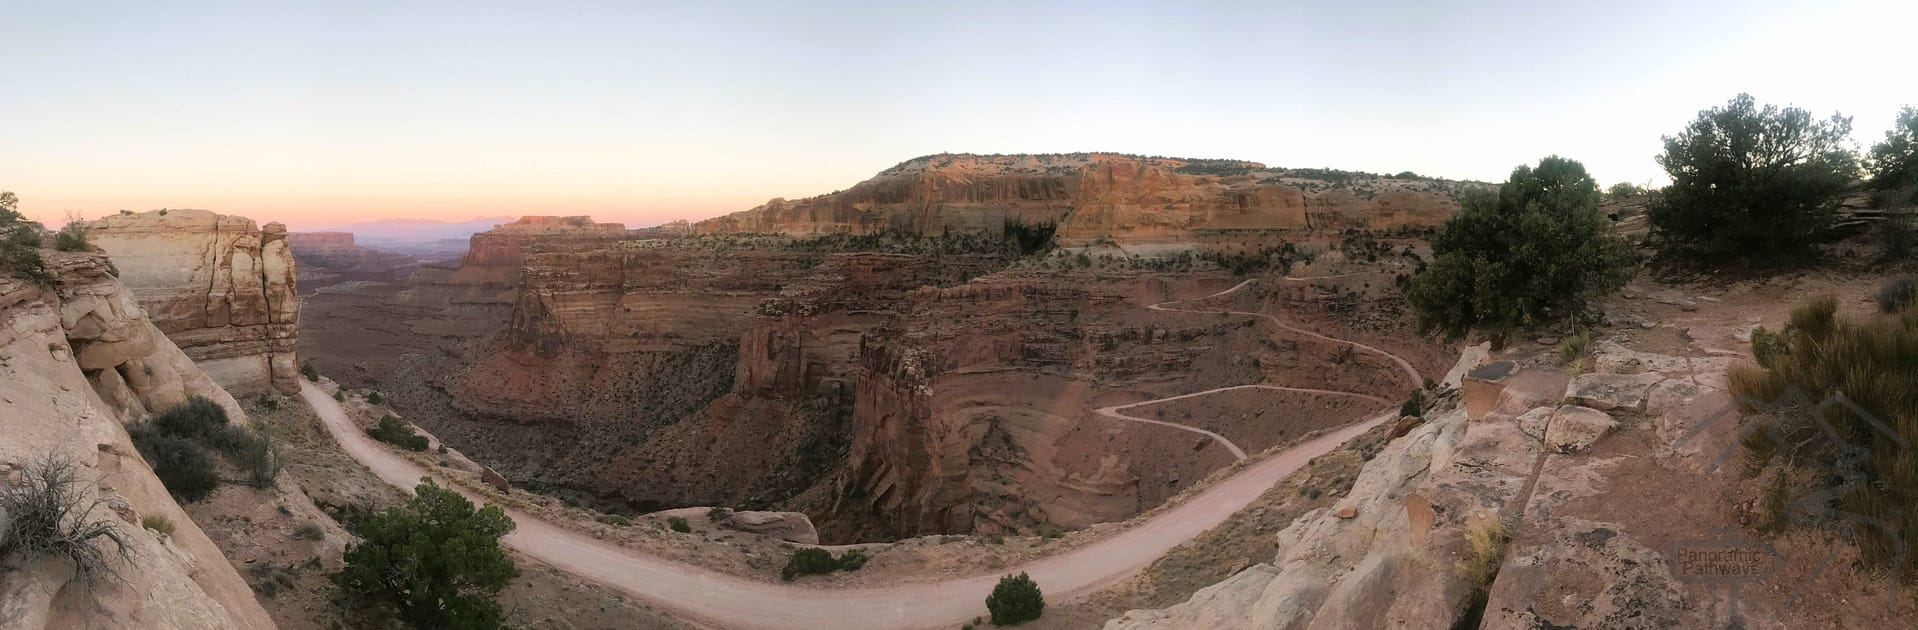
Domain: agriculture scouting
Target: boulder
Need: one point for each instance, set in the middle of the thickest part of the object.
(1576, 428)
(1612, 392)
(494, 479)
(787, 526)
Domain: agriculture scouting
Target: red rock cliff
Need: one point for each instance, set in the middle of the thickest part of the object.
(1091, 196)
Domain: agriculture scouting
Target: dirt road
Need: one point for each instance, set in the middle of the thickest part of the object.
(732, 602)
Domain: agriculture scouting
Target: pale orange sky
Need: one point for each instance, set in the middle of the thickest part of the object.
(324, 113)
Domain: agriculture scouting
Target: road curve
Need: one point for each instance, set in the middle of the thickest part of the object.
(730, 601)
(1410, 373)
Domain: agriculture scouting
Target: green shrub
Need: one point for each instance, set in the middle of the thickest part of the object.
(435, 562)
(1574, 345)
(1623, 190)
(183, 465)
(1015, 600)
(1505, 261)
(852, 560)
(808, 561)
(1413, 405)
(1871, 364)
(20, 243)
(393, 430)
(48, 514)
(680, 525)
(373, 396)
(614, 520)
(339, 395)
(1893, 163)
(196, 418)
(309, 531)
(306, 370)
(718, 514)
(1751, 185)
(72, 238)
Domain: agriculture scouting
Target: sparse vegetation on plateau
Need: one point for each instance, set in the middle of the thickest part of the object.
(614, 520)
(1537, 248)
(1841, 397)
(1751, 184)
(1015, 600)
(679, 524)
(435, 562)
(48, 514)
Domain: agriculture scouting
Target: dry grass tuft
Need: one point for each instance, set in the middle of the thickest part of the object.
(1485, 541)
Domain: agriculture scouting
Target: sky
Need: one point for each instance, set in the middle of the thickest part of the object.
(322, 113)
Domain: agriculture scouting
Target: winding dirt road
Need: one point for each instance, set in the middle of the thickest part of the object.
(729, 601)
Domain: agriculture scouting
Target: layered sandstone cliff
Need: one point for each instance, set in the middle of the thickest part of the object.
(1101, 195)
(220, 287)
(328, 257)
(76, 362)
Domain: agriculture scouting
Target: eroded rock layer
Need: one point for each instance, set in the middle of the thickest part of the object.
(1102, 195)
(220, 287)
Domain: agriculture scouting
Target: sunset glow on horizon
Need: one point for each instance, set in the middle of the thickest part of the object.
(322, 114)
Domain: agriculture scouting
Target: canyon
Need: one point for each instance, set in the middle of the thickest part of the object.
(326, 258)
(885, 359)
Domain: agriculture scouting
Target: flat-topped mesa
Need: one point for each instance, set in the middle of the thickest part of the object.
(493, 259)
(220, 287)
(1103, 195)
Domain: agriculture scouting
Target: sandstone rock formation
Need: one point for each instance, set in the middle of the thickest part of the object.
(1101, 195)
(787, 526)
(75, 363)
(1589, 516)
(219, 287)
(327, 257)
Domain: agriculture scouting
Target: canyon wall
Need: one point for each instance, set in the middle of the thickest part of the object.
(1102, 196)
(220, 287)
(76, 362)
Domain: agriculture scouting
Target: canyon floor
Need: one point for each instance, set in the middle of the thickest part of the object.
(731, 601)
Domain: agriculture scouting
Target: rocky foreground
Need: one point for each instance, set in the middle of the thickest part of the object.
(76, 364)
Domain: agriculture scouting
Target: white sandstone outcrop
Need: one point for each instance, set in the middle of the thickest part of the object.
(220, 287)
(75, 363)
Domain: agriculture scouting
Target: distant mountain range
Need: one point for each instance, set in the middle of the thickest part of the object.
(416, 230)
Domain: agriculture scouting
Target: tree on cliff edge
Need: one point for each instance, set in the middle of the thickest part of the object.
(1508, 260)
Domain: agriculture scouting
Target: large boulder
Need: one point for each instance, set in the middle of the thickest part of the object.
(787, 526)
(1612, 392)
(1576, 428)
